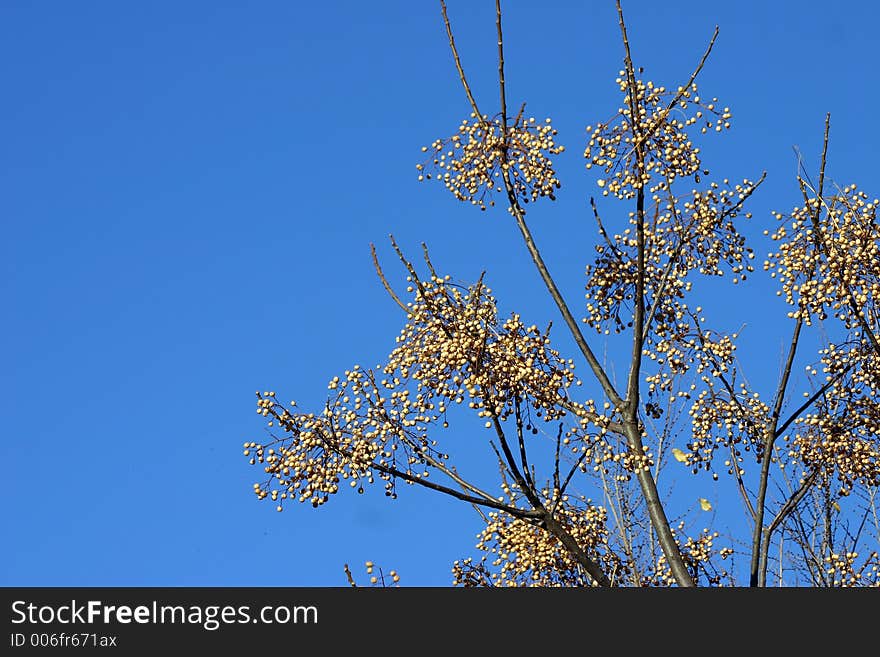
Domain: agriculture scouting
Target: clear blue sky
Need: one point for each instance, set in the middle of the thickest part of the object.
(187, 195)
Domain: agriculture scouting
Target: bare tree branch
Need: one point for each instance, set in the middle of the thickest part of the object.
(523, 458)
(757, 575)
(811, 400)
(420, 481)
(549, 522)
(501, 65)
(464, 82)
(570, 322)
(789, 506)
(385, 282)
(632, 425)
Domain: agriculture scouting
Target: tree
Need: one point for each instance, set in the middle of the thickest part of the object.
(807, 473)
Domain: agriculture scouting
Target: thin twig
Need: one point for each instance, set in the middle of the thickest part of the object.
(812, 399)
(741, 484)
(736, 207)
(349, 577)
(524, 461)
(783, 382)
(600, 420)
(385, 282)
(618, 514)
(476, 508)
(696, 72)
(502, 471)
(501, 65)
(824, 154)
(409, 267)
(458, 66)
(604, 233)
(657, 294)
(556, 460)
(428, 261)
(791, 502)
(528, 490)
(857, 536)
(571, 472)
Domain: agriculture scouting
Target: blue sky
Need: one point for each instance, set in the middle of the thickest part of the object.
(189, 191)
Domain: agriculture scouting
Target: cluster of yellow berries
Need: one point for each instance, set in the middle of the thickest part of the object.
(707, 231)
(677, 349)
(369, 428)
(379, 579)
(700, 556)
(611, 284)
(840, 436)
(828, 260)
(592, 446)
(453, 349)
(736, 423)
(841, 442)
(519, 553)
(828, 264)
(679, 345)
(474, 162)
(315, 453)
(657, 137)
(458, 350)
(695, 232)
(841, 570)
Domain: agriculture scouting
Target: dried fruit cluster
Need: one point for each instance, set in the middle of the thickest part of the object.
(828, 260)
(701, 556)
(842, 569)
(519, 553)
(721, 420)
(658, 130)
(454, 349)
(473, 162)
(840, 436)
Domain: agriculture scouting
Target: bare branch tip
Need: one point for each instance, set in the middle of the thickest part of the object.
(349, 576)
